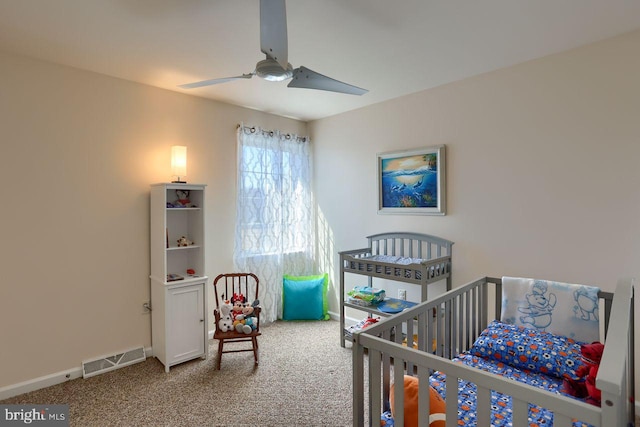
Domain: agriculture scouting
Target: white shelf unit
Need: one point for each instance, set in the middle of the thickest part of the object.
(179, 315)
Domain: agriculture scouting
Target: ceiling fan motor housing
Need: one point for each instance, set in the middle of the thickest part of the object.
(269, 69)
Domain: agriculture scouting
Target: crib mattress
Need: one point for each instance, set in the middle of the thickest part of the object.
(501, 406)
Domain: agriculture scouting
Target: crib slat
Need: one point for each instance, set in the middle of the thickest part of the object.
(358, 386)
(440, 330)
(467, 320)
(474, 316)
(454, 325)
(520, 412)
(424, 407)
(430, 332)
(423, 325)
(460, 323)
(470, 313)
(451, 401)
(483, 308)
(560, 420)
(410, 333)
(398, 378)
(375, 384)
(386, 374)
(447, 329)
(484, 406)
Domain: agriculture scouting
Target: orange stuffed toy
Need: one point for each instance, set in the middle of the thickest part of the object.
(437, 407)
(591, 356)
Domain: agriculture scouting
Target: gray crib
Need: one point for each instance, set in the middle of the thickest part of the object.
(448, 325)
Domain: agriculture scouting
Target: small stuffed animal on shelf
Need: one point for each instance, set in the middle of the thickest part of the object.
(183, 241)
(585, 386)
(183, 200)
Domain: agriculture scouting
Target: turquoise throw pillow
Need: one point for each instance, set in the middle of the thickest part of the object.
(305, 297)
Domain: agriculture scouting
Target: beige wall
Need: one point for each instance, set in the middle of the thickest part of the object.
(542, 162)
(78, 153)
(542, 181)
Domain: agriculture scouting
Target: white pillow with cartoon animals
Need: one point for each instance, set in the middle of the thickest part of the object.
(564, 309)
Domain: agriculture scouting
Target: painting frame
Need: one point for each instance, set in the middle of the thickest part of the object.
(412, 181)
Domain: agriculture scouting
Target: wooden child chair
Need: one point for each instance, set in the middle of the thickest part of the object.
(233, 292)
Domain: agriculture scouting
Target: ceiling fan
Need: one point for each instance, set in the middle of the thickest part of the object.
(273, 43)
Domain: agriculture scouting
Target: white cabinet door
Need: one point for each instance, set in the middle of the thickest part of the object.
(186, 323)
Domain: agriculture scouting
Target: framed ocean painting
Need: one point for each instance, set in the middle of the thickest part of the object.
(412, 181)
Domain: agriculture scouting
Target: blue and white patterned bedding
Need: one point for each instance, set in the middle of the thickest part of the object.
(501, 405)
(536, 358)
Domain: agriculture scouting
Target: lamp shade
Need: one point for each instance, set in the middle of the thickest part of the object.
(179, 161)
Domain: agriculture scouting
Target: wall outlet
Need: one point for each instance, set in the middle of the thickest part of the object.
(402, 294)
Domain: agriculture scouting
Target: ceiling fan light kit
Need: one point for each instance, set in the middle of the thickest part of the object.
(276, 68)
(272, 71)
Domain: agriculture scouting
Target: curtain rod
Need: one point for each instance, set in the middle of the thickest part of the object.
(253, 129)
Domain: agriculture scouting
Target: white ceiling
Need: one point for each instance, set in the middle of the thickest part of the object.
(392, 48)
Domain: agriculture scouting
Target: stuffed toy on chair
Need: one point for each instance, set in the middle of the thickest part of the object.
(591, 356)
(239, 313)
(225, 323)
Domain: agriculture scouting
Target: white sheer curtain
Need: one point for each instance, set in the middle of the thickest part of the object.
(274, 221)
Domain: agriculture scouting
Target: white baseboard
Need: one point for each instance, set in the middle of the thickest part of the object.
(47, 381)
(348, 321)
(40, 382)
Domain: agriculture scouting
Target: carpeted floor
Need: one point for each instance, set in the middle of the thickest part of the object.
(304, 379)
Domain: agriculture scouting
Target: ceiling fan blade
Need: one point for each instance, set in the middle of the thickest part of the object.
(309, 79)
(215, 81)
(273, 31)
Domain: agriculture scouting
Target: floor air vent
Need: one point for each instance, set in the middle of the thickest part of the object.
(109, 363)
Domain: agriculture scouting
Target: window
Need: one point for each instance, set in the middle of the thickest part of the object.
(274, 224)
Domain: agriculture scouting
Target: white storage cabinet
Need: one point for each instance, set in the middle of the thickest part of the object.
(179, 315)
